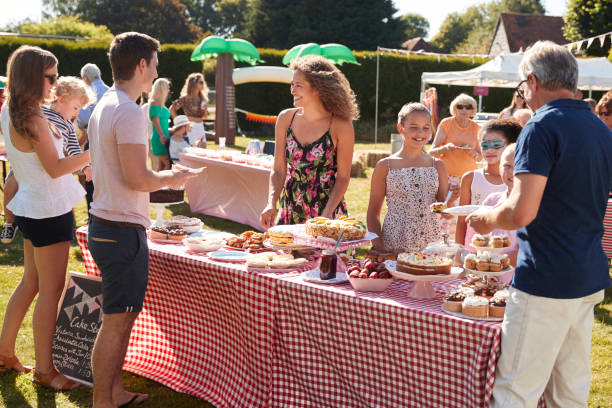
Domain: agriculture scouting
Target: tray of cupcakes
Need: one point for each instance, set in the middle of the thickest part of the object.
(492, 243)
(477, 299)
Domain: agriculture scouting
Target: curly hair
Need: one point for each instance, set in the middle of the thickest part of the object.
(73, 87)
(334, 89)
(605, 102)
(510, 128)
(190, 84)
(25, 70)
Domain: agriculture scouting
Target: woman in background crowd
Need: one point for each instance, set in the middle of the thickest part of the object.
(517, 103)
(314, 143)
(42, 207)
(194, 103)
(604, 109)
(160, 118)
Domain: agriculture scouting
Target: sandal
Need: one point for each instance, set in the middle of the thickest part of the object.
(55, 380)
(11, 363)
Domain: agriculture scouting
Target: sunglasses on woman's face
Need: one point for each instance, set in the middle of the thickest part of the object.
(52, 78)
(494, 144)
(602, 113)
(459, 106)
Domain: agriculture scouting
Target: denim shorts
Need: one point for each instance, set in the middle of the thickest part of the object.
(122, 255)
(47, 231)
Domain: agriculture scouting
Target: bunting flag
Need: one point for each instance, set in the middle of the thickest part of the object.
(437, 54)
(69, 310)
(602, 39)
(589, 41)
(77, 291)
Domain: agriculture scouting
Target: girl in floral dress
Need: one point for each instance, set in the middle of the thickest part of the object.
(410, 180)
(314, 146)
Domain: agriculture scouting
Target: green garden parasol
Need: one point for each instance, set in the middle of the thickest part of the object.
(335, 53)
(212, 46)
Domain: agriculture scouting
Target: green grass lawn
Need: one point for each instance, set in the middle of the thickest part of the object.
(18, 391)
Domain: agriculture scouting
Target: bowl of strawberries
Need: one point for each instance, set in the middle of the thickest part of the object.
(369, 276)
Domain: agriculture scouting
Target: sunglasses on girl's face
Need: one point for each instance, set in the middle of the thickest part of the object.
(602, 113)
(52, 78)
(494, 144)
(459, 106)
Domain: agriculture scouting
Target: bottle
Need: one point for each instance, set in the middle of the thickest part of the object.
(329, 261)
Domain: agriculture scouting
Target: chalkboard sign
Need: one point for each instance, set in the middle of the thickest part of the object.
(78, 320)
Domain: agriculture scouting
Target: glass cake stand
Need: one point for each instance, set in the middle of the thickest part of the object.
(159, 212)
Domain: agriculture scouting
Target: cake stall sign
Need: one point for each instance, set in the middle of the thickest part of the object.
(78, 321)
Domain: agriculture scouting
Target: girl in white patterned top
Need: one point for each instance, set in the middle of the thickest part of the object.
(410, 180)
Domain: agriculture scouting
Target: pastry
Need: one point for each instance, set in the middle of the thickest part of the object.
(485, 291)
(495, 263)
(248, 240)
(497, 305)
(504, 259)
(420, 263)
(506, 240)
(324, 227)
(470, 261)
(453, 301)
(482, 263)
(281, 235)
(475, 306)
(377, 256)
(497, 241)
(172, 232)
(437, 207)
(479, 240)
(471, 280)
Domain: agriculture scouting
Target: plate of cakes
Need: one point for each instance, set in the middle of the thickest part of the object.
(486, 263)
(321, 232)
(491, 243)
(422, 266)
(171, 234)
(478, 301)
(248, 241)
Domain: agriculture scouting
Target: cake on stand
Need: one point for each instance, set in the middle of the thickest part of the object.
(162, 198)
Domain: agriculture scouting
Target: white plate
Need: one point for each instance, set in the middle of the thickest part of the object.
(463, 210)
(314, 275)
(455, 272)
(459, 314)
(202, 247)
(165, 241)
(212, 234)
(491, 249)
(488, 273)
(229, 256)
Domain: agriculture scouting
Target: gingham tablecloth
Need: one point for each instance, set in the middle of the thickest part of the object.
(240, 339)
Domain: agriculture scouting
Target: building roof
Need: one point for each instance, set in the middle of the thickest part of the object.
(418, 44)
(522, 30)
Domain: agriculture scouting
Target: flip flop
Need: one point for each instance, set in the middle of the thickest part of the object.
(135, 401)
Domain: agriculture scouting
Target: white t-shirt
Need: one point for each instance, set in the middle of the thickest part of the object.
(116, 120)
(176, 148)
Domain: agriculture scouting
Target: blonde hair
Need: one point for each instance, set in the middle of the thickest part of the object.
(465, 98)
(160, 86)
(412, 107)
(73, 87)
(190, 86)
(332, 86)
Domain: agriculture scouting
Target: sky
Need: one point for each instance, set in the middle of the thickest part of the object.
(433, 10)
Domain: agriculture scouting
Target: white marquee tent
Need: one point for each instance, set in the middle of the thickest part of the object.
(594, 74)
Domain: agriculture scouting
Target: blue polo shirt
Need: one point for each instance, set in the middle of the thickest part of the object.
(560, 253)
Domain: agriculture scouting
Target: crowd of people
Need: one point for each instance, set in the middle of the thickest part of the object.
(543, 168)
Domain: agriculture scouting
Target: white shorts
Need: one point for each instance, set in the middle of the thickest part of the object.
(196, 133)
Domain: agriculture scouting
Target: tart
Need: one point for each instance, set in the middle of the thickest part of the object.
(437, 207)
(421, 263)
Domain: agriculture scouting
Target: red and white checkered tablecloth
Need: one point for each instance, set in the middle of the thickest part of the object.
(606, 240)
(237, 338)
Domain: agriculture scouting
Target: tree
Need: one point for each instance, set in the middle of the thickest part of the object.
(358, 24)
(522, 6)
(67, 25)
(452, 32)
(415, 25)
(587, 19)
(165, 20)
(221, 17)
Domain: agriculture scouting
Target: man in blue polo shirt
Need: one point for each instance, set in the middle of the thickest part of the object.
(562, 177)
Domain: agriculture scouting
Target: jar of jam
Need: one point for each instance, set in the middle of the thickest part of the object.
(329, 260)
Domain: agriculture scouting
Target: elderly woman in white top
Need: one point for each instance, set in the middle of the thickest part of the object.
(42, 207)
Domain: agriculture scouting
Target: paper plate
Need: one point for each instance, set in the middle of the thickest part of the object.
(463, 210)
(228, 256)
(314, 275)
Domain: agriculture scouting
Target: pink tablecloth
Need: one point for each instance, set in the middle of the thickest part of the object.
(233, 191)
(606, 241)
(237, 338)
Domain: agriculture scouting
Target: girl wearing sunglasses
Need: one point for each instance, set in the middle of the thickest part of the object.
(476, 185)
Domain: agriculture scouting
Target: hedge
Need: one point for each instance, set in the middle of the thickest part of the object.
(400, 78)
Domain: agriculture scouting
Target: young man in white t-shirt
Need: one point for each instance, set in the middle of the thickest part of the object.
(120, 209)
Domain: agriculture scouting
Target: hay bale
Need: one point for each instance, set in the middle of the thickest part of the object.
(357, 169)
(374, 156)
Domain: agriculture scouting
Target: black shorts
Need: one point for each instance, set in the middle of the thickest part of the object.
(122, 255)
(47, 231)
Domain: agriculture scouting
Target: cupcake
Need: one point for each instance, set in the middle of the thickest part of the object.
(479, 240)
(475, 306)
(470, 261)
(453, 300)
(505, 261)
(506, 240)
(497, 307)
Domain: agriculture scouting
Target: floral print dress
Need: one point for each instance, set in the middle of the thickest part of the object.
(311, 175)
(409, 225)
